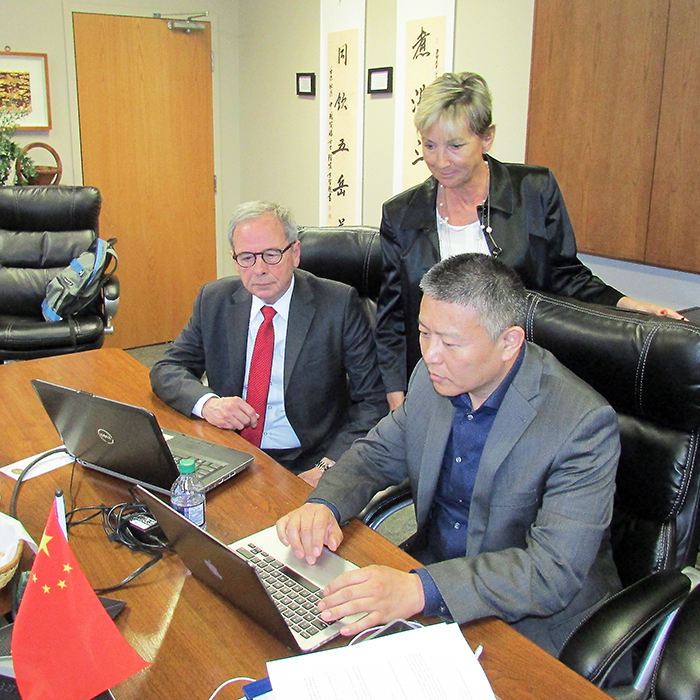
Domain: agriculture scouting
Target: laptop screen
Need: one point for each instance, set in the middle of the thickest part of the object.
(110, 436)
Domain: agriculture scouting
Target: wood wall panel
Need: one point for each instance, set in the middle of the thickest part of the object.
(595, 98)
(673, 239)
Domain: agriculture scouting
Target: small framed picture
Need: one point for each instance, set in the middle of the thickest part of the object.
(380, 80)
(306, 83)
(24, 88)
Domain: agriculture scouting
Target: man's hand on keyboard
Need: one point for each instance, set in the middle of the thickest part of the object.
(307, 529)
(385, 594)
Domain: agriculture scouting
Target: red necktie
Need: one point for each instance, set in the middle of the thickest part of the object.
(259, 375)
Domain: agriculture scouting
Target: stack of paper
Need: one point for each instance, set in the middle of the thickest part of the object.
(430, 662)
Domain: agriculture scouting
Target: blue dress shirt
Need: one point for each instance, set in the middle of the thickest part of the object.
(449, 515)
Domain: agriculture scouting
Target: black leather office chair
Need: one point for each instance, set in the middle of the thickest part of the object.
(654, 623)
(41, 230)
(349, 254)
(648, 369)
(677, 676)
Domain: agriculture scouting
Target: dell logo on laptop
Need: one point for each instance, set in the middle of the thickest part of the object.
(105, 436)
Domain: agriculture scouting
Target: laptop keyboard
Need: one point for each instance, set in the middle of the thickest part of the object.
(203, 467)
(296, 597)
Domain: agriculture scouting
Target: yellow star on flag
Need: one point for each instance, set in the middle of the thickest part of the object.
(67, 567)
(46, 589)
(45, 539)
(61, 584)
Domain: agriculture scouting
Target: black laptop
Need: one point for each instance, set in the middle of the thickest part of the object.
(127, 442)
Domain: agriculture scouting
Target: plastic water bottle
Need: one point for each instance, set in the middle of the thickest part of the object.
(187, 494)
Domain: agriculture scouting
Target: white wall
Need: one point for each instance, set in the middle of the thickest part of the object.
(671, 288)
(279, 148)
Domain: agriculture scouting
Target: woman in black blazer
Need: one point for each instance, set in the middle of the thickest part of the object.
(472, 203)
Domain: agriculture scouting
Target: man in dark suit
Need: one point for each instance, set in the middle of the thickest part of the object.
(511, 459)
(324, 388)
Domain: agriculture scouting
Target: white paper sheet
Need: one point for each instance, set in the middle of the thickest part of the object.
(432, 662)
(52, 462)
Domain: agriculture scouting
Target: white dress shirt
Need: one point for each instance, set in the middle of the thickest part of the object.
(278, 433)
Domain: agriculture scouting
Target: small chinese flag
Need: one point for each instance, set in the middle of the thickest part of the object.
(64, 644)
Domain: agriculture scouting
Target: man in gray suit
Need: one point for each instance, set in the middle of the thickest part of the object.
(511, 460)
(324, 388)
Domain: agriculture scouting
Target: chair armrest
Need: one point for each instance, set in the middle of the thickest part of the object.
(679, 667)
(111, 288)
(604, 637)
(110, 298)
(386, 503)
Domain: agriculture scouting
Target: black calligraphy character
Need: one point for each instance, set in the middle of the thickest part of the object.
(341, 187)
(417, 152)
(341, 147)
(341, 222)
(420, 45)
(343, 54)
(417, 94)
(340, 102)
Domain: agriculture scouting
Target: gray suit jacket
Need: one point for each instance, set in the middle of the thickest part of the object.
(333, 390)
(537, 545)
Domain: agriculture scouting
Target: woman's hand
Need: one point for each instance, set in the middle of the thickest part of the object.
(646, 307)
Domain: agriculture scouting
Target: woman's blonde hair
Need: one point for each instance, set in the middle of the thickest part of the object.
(453, 99)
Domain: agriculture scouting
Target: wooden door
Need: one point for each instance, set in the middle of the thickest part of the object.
(673, 239)
(145, 103)
(595, 95)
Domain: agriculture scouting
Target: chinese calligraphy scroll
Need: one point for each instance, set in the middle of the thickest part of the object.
(342, 101)
(425, 47)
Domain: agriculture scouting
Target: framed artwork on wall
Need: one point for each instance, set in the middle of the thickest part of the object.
(24, 87)
(306, 84)
(380, 80)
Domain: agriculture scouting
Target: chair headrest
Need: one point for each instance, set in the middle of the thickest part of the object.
(349, 254)
(49, 208)
(645, 366)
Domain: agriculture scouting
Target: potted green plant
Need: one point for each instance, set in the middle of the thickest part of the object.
(10, 151)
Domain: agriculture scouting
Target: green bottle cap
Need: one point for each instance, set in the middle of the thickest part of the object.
(186, 466)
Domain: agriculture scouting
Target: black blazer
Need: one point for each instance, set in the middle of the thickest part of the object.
(333, 389)
(531, 232)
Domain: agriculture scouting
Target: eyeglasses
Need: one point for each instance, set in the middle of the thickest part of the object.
(272, 256)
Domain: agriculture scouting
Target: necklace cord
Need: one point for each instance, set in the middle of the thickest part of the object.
(495, 249)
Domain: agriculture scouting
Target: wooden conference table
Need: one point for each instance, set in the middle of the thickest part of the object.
(193, 639)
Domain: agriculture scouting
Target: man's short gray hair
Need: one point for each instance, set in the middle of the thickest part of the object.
(482, 283)
(249, 211)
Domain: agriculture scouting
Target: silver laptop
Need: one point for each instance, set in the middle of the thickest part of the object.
(126, 441)
(259, 575)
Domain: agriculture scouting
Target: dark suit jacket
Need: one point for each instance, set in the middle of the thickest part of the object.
(333, 390)
(537, 544)
(530, 226)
